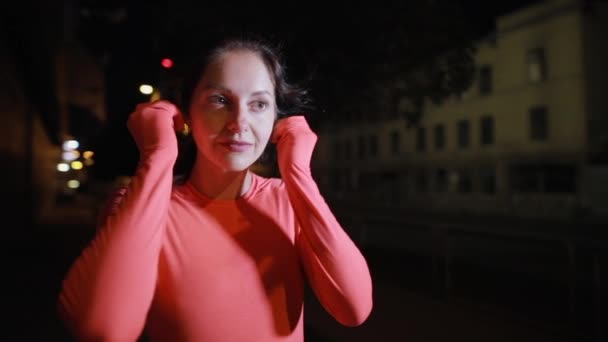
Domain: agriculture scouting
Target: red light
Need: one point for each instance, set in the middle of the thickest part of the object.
(167, 63)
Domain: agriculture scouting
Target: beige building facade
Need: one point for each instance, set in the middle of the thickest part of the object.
(521, 141)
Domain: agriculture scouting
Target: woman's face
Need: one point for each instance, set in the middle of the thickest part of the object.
(233, 110)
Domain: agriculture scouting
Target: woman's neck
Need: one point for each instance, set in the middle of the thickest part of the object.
(216, 183)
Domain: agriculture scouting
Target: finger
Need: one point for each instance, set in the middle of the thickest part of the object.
(274, 137)
(179, 124)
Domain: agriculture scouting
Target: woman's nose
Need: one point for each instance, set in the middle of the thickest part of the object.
(238, 119)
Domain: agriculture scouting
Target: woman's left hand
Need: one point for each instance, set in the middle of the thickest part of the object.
(295, 143)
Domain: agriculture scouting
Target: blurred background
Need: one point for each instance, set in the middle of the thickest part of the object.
(463, 145)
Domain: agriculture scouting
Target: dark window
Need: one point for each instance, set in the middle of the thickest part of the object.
(337, 150)
(422, 181)
(487, 130)
(439, 137)
(464, 133)
(465, 181)
(537, 65)
(487, 177)
(361, 147)
(539, 125)
(441, 180)
(336, 180)
(395, 142)
(373, 145)
(550, 178)
(420, 139)
(525, 178)
(485, 80)
(559, 178)
(348, 149)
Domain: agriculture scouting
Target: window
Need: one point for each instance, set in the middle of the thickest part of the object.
(348, 150)
(487, 130)
(559, 178)
(422, 181)
(373, 145)
(539, 123)
(463, 128)
(487, 177)
(485, 80)
(361, 147)
(420, 139)
(337, 150)
(441, 180)
(395, 142)
(439, 137)
(548, 178)
(525, 178)
(465, 181)
(537, 66)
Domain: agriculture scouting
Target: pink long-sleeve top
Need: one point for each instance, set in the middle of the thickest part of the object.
(189, 268)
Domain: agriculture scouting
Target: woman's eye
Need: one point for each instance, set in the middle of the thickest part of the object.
(217, 99)
(259, 105)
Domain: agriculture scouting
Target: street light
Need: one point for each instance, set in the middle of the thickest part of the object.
(167, 63)
(70, 145)
(146, 89)
(63, 167)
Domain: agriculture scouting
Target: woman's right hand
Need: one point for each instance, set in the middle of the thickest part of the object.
(153, 126)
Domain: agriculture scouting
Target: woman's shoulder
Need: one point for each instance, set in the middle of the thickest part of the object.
(267, 185)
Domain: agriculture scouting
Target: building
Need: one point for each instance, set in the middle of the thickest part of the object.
(525, 140)
(53, 93)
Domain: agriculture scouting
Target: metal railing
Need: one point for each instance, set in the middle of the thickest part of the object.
(570, 240)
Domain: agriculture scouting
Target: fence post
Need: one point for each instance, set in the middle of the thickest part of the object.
(436, 261)
(597, 285)
(447, 266)
(572, 300)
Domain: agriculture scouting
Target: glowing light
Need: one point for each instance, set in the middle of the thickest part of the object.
(87, 154)
(70, 155)
(76, 165)
(70, 145)
(88, 162)
(146, 89)
(63, 167)
(73, 184)
(166, 63)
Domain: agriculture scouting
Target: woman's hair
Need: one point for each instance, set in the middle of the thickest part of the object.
(290, 98)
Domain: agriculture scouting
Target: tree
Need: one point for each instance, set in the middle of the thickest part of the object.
(359, 59)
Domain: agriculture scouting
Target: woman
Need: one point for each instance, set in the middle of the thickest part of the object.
(223, 256)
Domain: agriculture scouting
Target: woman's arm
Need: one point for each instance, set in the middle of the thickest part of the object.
(337, 270)
(108, 290)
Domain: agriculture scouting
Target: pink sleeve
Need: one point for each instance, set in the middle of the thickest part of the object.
(337, 270)
(108, 290)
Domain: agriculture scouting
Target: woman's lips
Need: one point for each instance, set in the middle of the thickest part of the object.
(236, 146)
